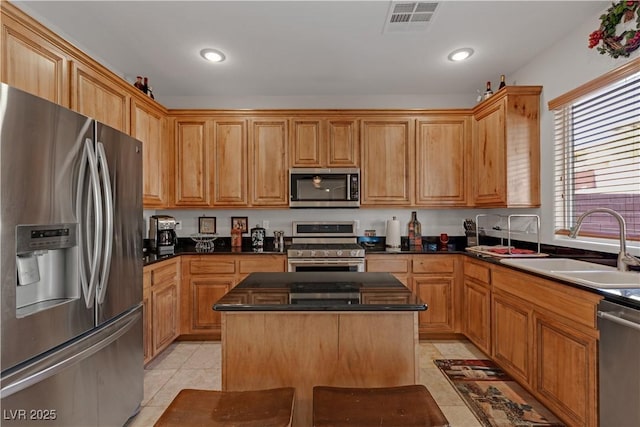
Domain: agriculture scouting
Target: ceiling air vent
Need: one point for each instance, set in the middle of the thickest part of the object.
(409, 16)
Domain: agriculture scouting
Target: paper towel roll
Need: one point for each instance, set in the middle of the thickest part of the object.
(393, 234)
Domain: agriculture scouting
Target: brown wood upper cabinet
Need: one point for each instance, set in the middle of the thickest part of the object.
(268, 159)
(506, 149)
(192, 162)
(30, 61)
(328, 142)
(442, 161)
(148, 125)
(99, 96)
(387, 166)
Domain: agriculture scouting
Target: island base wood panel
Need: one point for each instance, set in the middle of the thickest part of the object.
(302, 350)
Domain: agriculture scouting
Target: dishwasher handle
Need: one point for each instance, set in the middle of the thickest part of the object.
(619, 320)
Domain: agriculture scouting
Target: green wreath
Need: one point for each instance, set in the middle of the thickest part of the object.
(617, 44)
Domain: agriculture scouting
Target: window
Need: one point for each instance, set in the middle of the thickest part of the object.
(597, 156)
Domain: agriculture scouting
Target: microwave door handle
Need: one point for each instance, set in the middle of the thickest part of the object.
(348, 184)
(108, 223)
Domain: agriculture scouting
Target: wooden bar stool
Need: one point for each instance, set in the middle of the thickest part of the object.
(405, 406)
(259, 408)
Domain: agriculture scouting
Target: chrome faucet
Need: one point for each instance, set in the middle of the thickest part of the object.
(624, 259)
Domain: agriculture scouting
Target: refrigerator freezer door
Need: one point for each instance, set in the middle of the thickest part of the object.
(41, 148)
(124, 281)
(95, 381)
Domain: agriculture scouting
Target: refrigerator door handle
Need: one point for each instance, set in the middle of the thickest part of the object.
(80, 204)
(98, 225)
(108, 231)
(58, 362)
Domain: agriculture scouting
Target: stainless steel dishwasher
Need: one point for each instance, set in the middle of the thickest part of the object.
(619, 365)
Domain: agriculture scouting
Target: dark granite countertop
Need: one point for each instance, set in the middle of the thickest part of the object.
(330, 291)
(626, 297)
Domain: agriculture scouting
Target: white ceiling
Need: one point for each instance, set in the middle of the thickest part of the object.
(310, 48)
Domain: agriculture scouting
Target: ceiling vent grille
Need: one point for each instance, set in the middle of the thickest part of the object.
(409, 16)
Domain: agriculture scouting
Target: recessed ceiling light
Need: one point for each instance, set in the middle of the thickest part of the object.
(460, 54)
(212, 55)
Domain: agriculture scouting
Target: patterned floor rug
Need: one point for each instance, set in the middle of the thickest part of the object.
(493, 397)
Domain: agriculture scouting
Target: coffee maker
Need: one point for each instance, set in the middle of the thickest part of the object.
(162, 233)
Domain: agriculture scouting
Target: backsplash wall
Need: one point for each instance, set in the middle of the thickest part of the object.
(434, 222)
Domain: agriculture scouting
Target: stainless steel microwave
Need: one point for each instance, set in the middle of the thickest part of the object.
(324, 187)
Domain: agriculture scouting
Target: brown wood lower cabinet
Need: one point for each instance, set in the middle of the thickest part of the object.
(160, 306)
(545, 335)
(434, 280)
(206, 278)
(476, 303)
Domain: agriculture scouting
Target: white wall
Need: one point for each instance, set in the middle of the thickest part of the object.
(566, 66)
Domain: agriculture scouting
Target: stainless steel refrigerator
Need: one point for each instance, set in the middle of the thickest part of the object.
(71, 227)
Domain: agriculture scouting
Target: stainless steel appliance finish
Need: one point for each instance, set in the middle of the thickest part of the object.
(162, 234)
(619, 369)
(325, 246)
(71, 266)
(324, 187)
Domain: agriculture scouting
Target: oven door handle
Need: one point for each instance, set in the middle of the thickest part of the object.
(326, 261)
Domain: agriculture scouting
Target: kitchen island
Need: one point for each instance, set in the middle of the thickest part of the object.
(306, 329)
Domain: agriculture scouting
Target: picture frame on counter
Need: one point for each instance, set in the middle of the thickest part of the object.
(207, 224)
(241, 223)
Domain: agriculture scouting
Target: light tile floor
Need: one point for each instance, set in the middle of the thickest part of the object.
(188, 364)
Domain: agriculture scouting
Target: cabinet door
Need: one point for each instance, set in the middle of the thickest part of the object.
(230, 163)
(32, 64)
(205, 291)
(306, 147)
(96, 96)
(192, 165)
(387, 151)
(511, 326)
(566, 374)
(165, 316)
(489, 154)
(147, 125)
(268, 159)
(442, 160)
(477, 312)
(436, 292)
(343, 145)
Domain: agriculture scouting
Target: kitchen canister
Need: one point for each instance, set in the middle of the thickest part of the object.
(257, 237)
(393, 235)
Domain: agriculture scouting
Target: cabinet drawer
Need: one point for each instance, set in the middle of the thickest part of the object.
(164, 274)
(262, 264)
(432, 264)
(388, 264)
(476, 271)
(211, 266)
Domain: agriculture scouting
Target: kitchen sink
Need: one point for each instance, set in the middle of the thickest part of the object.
(580, 272)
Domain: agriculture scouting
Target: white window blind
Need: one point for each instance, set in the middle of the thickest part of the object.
(597, 159)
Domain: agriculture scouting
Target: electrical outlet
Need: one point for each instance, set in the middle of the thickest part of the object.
(178, 225)
(265, 224)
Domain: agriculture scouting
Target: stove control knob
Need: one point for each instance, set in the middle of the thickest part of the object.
(354, 253)
(299, 253)
(313, 253)
(327, 253)
(339, 253)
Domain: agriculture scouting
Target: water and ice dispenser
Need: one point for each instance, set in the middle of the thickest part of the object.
(47, 266)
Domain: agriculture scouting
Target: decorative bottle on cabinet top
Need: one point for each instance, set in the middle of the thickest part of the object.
(502, 83)
(415, 231)
(488, 92)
